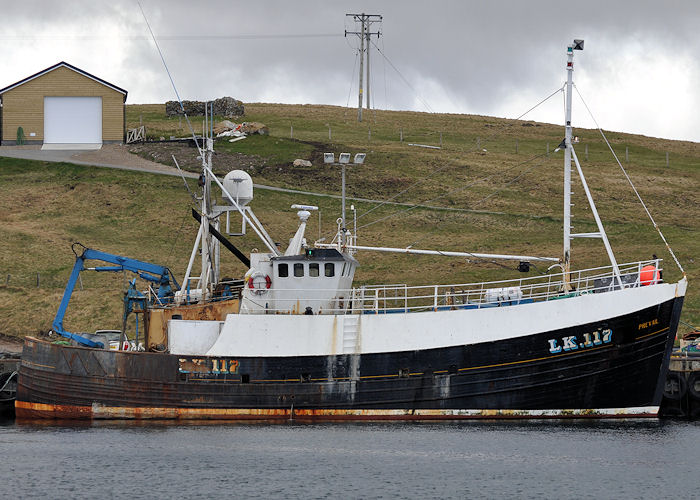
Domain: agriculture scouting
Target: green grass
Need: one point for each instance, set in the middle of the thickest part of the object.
(276, 150)
(46, 207)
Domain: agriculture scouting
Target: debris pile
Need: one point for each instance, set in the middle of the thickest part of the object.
(224, 106)
(239, 131)
(254, 128)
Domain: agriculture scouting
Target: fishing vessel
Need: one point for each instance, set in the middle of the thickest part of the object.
(294, 339)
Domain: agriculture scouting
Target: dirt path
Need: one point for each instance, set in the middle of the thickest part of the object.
(110, 155)
(120, 155)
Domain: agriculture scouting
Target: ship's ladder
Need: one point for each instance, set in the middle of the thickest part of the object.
(351, 329)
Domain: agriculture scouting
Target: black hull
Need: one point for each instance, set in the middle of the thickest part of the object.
(622, 366)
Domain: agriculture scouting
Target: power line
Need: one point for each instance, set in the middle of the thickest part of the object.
(251, 36)
(420, 98)
(447, 165)
(459, 190)
(351, 77)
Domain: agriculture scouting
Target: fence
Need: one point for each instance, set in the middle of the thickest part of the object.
(456, 142)
(32, 280)
(10, 279)
(136, 134)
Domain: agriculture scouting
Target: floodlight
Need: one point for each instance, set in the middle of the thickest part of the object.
(359, 158)
(344, 158)
(328, 158)
(578, 44)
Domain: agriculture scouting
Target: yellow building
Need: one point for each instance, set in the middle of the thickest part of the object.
(62, 105)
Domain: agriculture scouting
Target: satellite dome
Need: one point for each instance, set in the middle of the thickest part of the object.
(240, 186)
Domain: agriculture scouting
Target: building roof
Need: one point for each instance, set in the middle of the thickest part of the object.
(69, 66)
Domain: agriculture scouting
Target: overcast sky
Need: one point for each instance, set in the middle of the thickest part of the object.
(639, 72)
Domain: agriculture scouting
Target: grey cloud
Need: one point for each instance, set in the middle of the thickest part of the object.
(477, 52)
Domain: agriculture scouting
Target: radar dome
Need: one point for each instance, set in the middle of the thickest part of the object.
(240, 186)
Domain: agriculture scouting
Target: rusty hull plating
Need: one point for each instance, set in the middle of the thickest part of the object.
(621, 379)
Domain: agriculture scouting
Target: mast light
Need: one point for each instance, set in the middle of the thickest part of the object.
(328, 158)
(359, 158)
(344, 158)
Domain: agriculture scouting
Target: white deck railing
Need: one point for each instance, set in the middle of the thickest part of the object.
(385, 299)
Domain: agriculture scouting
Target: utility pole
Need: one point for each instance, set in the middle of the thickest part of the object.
(365, 35)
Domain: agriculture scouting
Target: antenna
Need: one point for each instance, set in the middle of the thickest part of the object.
(187, 119)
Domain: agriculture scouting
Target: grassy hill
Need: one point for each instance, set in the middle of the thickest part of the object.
(500, 192)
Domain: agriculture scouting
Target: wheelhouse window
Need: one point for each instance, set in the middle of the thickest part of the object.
(313, 270)
(299, 270)
(342, 272)
(282, 270)
(330, 269)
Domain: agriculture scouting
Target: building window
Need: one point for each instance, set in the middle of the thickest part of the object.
(313, 270)
(282, 271)
(330, 269)
(299, 270)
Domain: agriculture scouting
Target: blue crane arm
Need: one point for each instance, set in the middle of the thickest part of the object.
(128, 264)
(151, 272)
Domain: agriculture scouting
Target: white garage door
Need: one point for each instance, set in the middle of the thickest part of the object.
(73, 120)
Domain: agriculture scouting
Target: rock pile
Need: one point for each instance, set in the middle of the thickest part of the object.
(224, 106)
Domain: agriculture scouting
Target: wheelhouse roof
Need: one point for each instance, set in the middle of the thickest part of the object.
(316, 254)
(71, 67)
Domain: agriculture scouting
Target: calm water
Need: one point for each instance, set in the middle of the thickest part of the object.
(534, 459)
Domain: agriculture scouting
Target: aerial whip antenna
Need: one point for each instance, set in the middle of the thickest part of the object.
(187, 119)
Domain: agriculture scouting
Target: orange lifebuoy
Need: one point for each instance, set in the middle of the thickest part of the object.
(649, 275)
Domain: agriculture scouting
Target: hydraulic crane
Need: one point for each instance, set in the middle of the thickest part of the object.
(161, 276)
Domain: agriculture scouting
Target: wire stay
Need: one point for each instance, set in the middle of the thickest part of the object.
(656, 226)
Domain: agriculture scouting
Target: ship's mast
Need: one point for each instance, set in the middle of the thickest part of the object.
(208, 272)
(567, 161)
(569, 153)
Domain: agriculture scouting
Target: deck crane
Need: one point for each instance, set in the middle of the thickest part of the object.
(159, 275)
